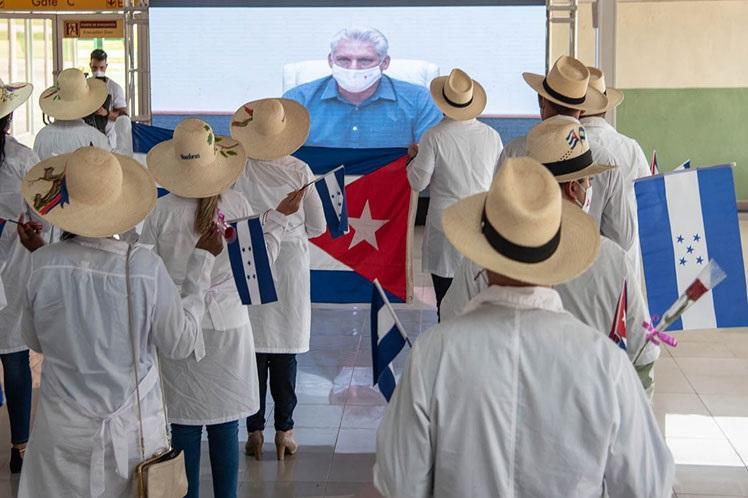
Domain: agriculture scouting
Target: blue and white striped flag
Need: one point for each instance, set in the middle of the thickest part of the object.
(387, 340)
(250, 263)
(683, 166)
(686, 218)
(331, 190)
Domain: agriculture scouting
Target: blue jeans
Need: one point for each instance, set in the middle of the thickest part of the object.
(17, 379)
(281, 369)
(223, 447)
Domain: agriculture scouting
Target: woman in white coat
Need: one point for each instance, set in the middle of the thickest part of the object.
(86, 439)
(218, 389)
(15, 161)
(271, 130)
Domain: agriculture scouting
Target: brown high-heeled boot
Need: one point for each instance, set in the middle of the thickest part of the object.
(284, 444)
(254, 445)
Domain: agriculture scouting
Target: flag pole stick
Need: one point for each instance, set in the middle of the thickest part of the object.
(392, 311)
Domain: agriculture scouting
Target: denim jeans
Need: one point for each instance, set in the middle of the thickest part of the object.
(17, 380)
(223, 447)
(282, 372)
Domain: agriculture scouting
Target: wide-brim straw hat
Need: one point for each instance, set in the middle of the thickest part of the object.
(597, 81)
(522, 228)
(90, 192)
(13, 95)
(270, 128)
(560, 144)
(196, 163)
(458, 96)
(73, 96)
(567, 84)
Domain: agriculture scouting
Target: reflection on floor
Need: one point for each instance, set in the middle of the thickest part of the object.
(701, 403)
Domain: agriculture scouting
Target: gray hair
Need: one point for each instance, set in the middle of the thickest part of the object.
(370, 35)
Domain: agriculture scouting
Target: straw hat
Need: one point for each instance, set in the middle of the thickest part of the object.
(522, 228)
(458, 96)
(13, 95)
(73, 96)
(196, 163)
(567, 85)
(90, 192)
(270, 128)
(561, 145)
(597, 81)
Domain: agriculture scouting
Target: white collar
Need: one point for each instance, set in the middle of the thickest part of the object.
(107, 244)
(543, 298)
(596, 121)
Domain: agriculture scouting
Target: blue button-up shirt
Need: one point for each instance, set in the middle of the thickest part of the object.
(396, 115)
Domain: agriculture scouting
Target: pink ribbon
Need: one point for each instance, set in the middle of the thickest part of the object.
(656, 337)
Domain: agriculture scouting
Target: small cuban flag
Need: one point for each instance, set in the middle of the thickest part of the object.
(687, 218)
(684, 165)
(250, 263)
(331, 190)
(618, 328)
(387, 340)
(654, 168)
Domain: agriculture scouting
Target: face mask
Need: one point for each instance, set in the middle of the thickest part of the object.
(99, 74)
(356, 80)
(587, 199)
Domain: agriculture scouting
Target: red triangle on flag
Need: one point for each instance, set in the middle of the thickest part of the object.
(618, 328)
(376, 245)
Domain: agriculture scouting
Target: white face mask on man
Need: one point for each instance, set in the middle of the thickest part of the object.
(356, 80)
(99, 74)
(587, 199)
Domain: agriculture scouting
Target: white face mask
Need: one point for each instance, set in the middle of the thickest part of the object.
(587, 199)
(99, 74)
(356, 80)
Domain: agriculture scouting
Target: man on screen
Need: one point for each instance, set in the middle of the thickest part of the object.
(359, 107)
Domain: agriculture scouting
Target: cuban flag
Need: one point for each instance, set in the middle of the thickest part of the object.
(387, 340)
(377, 245)
(618, 328)
(683, 165)
(331, 190)
(654, 168)
(687, 218)
(250, 263)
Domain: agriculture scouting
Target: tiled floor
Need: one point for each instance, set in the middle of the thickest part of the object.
(701, 403)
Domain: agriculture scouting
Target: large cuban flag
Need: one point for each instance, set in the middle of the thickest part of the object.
(687, 218)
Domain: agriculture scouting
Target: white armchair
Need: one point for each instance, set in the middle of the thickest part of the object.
(413, 71)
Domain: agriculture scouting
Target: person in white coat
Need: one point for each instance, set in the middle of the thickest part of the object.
(456, 158)
(516, 397)
(220, 387)
(278, 127)
(71, 99)
(626, 153)
(91, 429)
(15, 162)
(591, 297)
(563, 95)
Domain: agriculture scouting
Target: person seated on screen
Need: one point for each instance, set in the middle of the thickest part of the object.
(359, 107)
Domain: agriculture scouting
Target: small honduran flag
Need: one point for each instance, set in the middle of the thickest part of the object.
(618, 329)
(654, 168)
(331, 190)
(250, 263)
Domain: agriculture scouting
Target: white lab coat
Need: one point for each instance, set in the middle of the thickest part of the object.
(285, 326)
(455, 159)
(629, 157)
(63, 137)
(16, 259)
(222, 385)
(84, 442)
(591, 297)
(610, 206)
(517, 398)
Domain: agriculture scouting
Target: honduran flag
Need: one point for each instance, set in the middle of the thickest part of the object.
(331, 190)
(687, 218)
(250, 263)
(618, 328)
(387, 340)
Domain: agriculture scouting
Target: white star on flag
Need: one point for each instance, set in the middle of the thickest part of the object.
(365, 228)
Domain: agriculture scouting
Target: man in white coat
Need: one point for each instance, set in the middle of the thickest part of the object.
(564, 94)
(516, 397)
(591, 297)
(71, 99)
(456, 158)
